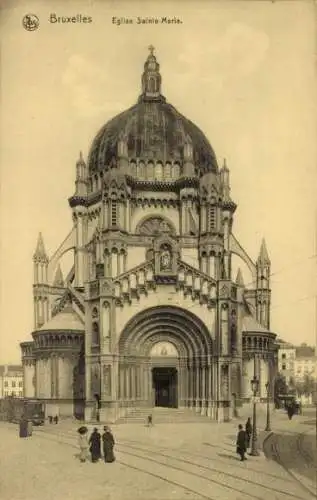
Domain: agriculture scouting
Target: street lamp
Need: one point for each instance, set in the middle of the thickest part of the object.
(268, 422)
(254, 385)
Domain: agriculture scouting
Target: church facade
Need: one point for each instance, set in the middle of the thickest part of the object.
(149, 314)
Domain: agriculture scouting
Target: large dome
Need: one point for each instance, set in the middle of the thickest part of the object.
(152, 129)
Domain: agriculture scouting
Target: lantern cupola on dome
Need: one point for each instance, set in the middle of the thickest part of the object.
(151, 79)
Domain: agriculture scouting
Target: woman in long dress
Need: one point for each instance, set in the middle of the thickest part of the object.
(83, 446)
(95, 445)
(108, 445)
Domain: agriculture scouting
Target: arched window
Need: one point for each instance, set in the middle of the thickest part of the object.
(140, 170)
(158, 171)
(152, 85)
(176, 170)
(167, 171)
(150, 170)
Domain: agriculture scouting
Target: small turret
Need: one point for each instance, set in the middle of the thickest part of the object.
(58, 280)
(40, 260)
(239, 278)
(189, 167)
(40, 254)
(225, 179)
(81, 176)
(263, 258)
(227, 202)
(151, 78)
(263, 298)
(40, 287)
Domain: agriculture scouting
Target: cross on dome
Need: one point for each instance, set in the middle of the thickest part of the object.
(151, 49)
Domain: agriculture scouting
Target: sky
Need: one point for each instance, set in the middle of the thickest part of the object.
(244, 72)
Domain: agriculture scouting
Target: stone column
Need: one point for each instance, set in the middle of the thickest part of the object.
(133, 384)
(122, 381)
(119, 270)
(212, 266)
(210, 389)
(197, 374)
(203, 389)
(203, 218)
(191, 384)
(150, 387)
(127, 378)
(180, 383)
(114, 264)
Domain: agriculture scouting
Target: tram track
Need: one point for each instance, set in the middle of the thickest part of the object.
(272, 449)
(216, 470)
(235, 465)
(186, 488)
(128, 449)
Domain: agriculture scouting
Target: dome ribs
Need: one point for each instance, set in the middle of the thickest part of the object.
(153, 130)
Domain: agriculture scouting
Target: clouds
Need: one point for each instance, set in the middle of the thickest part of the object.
(87, 84)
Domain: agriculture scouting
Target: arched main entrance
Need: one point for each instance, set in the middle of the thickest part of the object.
(165, 359)
(165, 368)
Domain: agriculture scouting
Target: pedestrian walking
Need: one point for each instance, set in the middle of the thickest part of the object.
(108, 445)
(83, 443)
(290, 411)
(241, 443)
(248, 430)
(149, 421)
(95, 445)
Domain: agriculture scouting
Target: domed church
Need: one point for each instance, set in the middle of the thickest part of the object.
(149, 315)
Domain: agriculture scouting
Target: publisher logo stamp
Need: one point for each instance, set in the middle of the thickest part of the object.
(30, 22)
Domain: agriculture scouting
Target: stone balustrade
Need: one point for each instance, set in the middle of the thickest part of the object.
(141, 279)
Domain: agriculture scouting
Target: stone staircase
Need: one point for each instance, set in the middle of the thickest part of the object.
(162, 415)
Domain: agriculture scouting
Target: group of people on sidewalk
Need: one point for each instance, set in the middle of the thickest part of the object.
(244, 439)
(93, 445)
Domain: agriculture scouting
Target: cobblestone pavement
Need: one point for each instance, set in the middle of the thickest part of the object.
(166, 462)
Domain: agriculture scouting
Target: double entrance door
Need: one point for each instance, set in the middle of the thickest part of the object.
(164, 383)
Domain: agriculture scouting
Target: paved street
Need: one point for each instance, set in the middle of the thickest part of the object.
(293, 445)
(168, 461)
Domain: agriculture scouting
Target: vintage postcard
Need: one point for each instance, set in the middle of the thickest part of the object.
(158, 250)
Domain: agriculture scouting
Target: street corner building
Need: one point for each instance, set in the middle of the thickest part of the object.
(149, 314)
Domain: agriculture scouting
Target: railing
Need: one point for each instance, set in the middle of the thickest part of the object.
(141, 279)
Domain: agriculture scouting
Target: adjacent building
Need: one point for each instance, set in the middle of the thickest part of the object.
(305, 362)
(150, 313)
(286, 359)
(11, 381)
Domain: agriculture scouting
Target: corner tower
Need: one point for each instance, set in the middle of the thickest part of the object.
(263, 292)
(78, 204)
(40, 284)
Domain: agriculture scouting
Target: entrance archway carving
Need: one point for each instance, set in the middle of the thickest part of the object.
(192, 350)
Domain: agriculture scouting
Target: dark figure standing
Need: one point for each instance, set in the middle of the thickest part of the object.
(248, 431)
(108, 445)
(149, 421)
(95, 445)
(290, 411)
(241, 443)
(23, 427)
